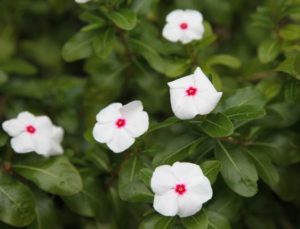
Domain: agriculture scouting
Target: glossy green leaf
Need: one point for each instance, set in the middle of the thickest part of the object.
(290, 66)
(130, 187)
(245, 112)
(268, 50)
(211, 169)
(176, 68)
(224, 59)
(78, 47)
(217, 125)
(104, 42)
(237, 169)
(124, 19)
(17, 203)
(290, 32)
(56, 175)
(198, 221)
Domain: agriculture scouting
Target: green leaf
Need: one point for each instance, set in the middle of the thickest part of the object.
(145, 175)
(217, 221)
(130, 187)
(198, 221)
(90, 201)
(46, 214)
(224, 59)
(166, 123)
(217, 125)
(56, 175)
(245, 96)
(290, 66)
(237, 170)
(104, 42)
(245, 112)
(124, 19)
(170, 157)
(211, 169)
(17, 203)
(78, 47)
(18, 66)
(150, 54)
(100, 159)
(155, 221)
(268, 50)
(3, 77)
(290, 32)
(176, 68)
(266, 170)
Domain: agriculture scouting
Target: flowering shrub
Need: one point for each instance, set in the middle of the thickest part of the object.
(149, 114)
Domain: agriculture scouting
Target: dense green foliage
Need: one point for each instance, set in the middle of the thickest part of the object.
(68, 61)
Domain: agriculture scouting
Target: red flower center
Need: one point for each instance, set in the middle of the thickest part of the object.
(184, 25)
(180, 189)
(120, 122)
(191, 91)
(30, 129)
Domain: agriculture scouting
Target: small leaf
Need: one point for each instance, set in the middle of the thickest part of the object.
(176, 68)
(104, 42)
(145, 175)
(268, 50)
(155, 221)
(290, 66)
(224, 59)
(168, 122)
(18, 66)
(245, 112)
(237, 170)
(211, 169)
(198, 221)
(78, 47)
(217, 221)
(17, 203)
(56, 175)
(217, 125)
(124, 19)
(290, 32)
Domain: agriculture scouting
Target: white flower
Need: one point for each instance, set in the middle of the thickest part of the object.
(82, 1)
(184, 26)
(192, 95)
(118, 125)
(34, 133)
(180, 189)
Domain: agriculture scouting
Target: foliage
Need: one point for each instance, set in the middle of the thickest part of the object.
(68, 61)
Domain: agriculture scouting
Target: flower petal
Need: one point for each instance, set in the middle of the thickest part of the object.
(22, 143)
(103, 132)
(137, 124)
(131, 108)
(163, 179)
(175, 17)
(110, 113)
(56, 149)
(188, 173)
(166, 204)
(43, 123)
(42, 145)
(188, 204)
(206, 102)
(121, 141)
(57, 134)
(185, 109)
(202, 82)
(26, 117)
(193, 17)
(13, 127)
(183, 82)
(172, 32)
(203, 190)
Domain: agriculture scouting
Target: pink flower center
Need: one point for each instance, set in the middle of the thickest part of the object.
(30, 129)
(184, 25)
(191, 91)
(180, 189)
(120, 122)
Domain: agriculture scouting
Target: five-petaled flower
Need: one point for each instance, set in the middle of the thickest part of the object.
(184, 26)
(34, 133)
(192, 95)
(180, 189)
(119, 125)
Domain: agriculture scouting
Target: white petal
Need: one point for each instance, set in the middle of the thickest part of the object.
(185, 38)
(166, 204)
(56, 149)
(42, 145)
(131, 108)
(186, 108)
(57, 134)
(26, 117)
(22, 143)
(163, 179)
(183, 82)
(172, 32)
(42, 123)
(103, 132)
(110, 113)
(13, 127)
(188, 205)
(175, 17)
(137, 124)
(203, 190)
(195, 33)
(121, 141)
(176, 97)
(206, 102)
(188, 173)
(193, 17)
(202, 82)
